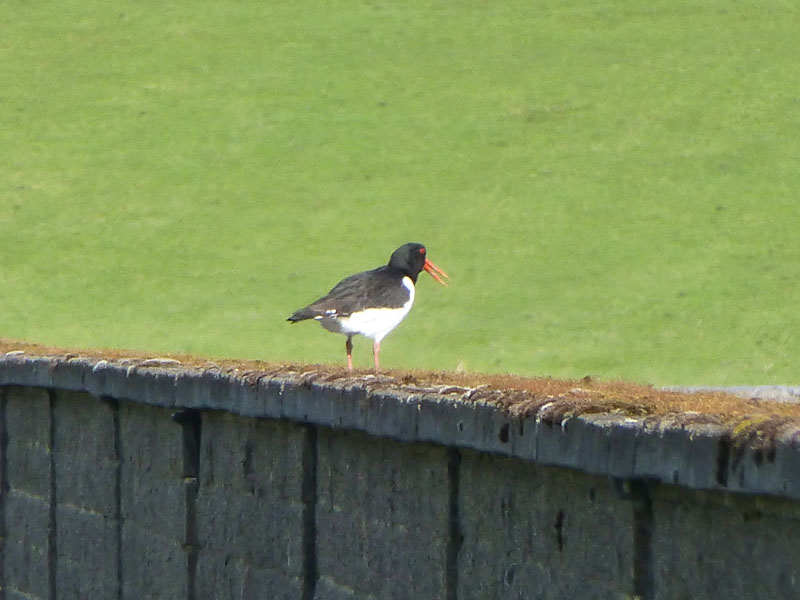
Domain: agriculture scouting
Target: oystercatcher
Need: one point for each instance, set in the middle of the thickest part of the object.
(374, 302)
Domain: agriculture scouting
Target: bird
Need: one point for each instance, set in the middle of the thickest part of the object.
(372, 303)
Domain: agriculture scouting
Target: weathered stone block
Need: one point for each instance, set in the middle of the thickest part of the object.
(85, 451)
(223, 576)
(26, 567)
(249, 507)
(86, 565)
(709, 545)
(27, 498)
(384, 506)
(87, 512)
(152, 487)
(540, 532)
(28, 452)
(154, 567)
(153, 502)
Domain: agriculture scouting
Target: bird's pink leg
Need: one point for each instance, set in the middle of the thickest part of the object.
(376, 350)
(349, 346)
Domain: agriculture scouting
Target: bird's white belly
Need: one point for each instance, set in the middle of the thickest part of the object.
(373, 323)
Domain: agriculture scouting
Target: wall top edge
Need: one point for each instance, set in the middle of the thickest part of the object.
(706, 438)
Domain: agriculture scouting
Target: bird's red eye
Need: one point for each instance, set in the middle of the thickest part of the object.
(422, 250)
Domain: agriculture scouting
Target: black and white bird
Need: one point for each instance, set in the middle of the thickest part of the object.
(374, 302)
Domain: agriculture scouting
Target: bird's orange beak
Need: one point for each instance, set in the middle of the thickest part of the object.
(435, 271)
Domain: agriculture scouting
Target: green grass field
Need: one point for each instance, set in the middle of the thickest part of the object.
(612, 186)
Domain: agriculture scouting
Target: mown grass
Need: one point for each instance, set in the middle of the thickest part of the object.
(612, 187)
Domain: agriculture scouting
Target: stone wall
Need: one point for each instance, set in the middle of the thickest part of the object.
(135, 481)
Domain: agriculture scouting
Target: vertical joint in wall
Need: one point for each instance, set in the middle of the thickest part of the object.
(117, 440)
(3, 486)
(190, 421)
(454, 536)
(637, 491)
(309, 499)
(52, 541)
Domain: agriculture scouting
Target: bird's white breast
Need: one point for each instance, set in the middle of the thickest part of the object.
(373, 323)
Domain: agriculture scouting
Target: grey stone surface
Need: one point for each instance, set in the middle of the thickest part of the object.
(153, 385)
(676, 454)
(29, 452)
(448, 421)
(753, 469)
(85, 449)
(154, 566)
(26, 552)
(86, 479)
(250, 510)
(204, 389)
(382, 518)
(3, 484)
(27, 505)
(307, 400)
(540, 532)
(709, 545)
(11, 594)
(353, 489)
(221, 576)
(447, 416)
(244, 398)
(557, 443)
(153, 504)
(21, 370)
(153, 494)
(87, 554)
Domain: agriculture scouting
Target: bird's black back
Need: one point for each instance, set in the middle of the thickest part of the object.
(378, 288)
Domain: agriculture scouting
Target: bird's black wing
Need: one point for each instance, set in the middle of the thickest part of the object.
(381, 287)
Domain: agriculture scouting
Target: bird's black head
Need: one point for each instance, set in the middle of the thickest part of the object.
(409, 258)
(412, 258)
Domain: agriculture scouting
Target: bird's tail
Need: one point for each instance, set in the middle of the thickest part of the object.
(302, 315)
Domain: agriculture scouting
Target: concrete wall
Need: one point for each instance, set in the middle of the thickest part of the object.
(137, 481)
